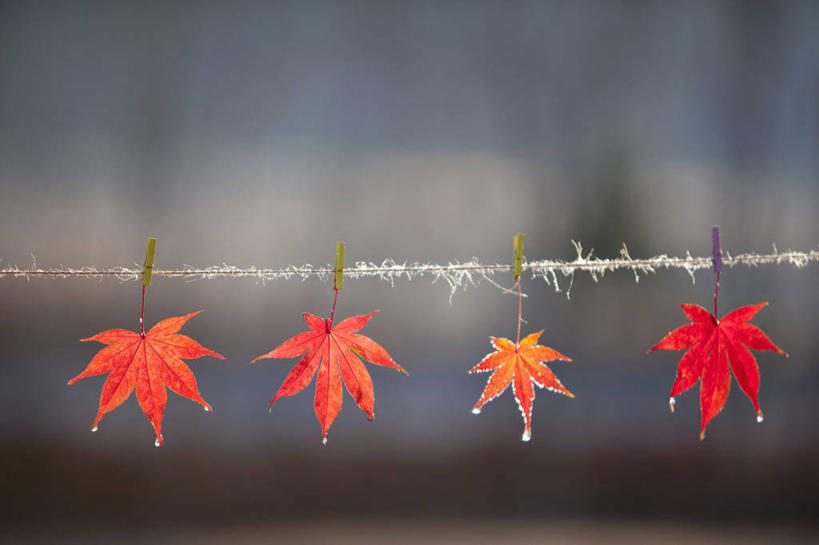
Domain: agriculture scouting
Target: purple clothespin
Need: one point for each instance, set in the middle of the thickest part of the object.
(717, 251)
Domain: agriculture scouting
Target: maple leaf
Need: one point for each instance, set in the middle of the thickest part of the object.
(334, 353)
(519, 365)
(712, 344)
(147, 363)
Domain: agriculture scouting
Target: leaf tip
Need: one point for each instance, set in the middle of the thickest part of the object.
(655, 347)
(527, 436)
(257, 358)
(760, 417)
(702, 435)
(324, 440)
(94, 429)
(158, 441)
(671, 404)
(476, 410)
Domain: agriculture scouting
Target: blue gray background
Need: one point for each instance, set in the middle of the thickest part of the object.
(254, 133)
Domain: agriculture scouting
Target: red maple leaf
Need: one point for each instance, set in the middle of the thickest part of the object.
(334, 353)
(146, 362)
(712, 344)
(519, 365)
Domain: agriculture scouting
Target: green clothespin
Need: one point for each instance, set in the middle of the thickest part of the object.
(149, 262)
(518, 256)
(338, 280)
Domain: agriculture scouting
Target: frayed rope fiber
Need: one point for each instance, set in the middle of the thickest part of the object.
(455, 274)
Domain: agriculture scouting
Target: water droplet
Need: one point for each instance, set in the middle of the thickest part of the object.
(157, 443)
(324, 441)
(207, 409)
(760, 418)
(527, 436)
(476, 411)
(94, 429)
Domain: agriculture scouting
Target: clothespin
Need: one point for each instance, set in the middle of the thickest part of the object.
(148, 267)
(338, 279)
(518, 257)
(716, 251)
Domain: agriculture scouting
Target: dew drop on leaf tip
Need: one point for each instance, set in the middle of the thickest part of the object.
(207, 409)
(527, 436)
(157, 443)
(323, 440)
(760, 418)
(476, 411)
(94, 429)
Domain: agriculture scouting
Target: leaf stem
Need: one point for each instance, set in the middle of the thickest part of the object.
(333, 313)
(520, 309)
(142, 314)
(716, 254)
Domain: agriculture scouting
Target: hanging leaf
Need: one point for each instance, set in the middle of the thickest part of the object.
(147, 363)
(519, 365)
(712, 345)
(333, 353)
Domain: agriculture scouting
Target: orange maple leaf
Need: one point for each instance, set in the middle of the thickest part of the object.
(334, 353)
(712, 344)
(519, 365)
(146, 362)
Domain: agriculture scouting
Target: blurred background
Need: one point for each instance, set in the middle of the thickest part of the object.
(260, 133)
